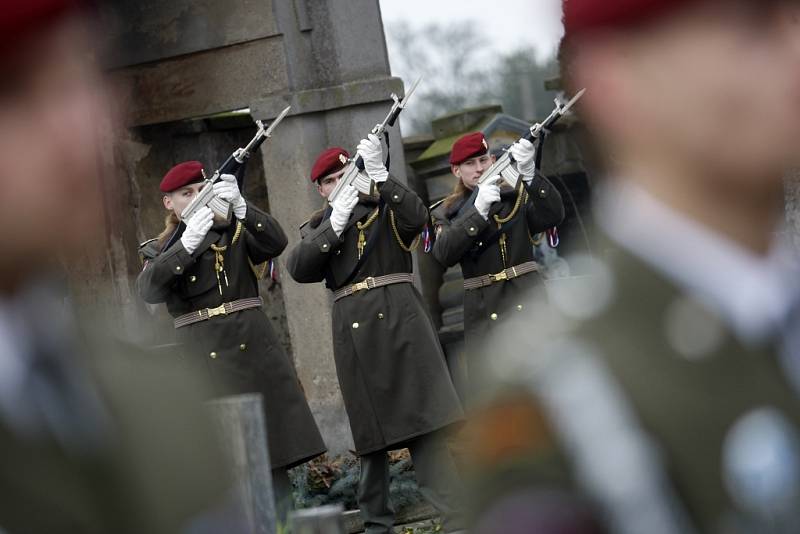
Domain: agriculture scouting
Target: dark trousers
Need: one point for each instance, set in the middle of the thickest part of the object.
(436, 476)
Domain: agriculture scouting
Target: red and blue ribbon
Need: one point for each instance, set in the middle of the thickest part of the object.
(552, 237)
(273, 270)
(427, 240)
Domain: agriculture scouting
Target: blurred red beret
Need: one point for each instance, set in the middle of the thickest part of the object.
(188, 172)
(21, 18)
(469, 146)
(330, 161)
(581, 16)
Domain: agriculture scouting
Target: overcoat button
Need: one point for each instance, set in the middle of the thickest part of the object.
(471, 228)
(519, 307)
(493, 317)
(380, 316)
(259, 226)
(193, 278)
(395, 197)
(213, 354)
(355, 325)
(178, 268)
(243, 347)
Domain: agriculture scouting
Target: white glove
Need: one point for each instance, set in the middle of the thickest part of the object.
(196, 229)
(342, 208)
(372, 153)
(488, 194)
(525, 155)
(227, 189)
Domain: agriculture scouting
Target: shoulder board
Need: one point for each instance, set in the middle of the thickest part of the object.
(437, 204)
(149, 250)
(304, 224)
(145, 243)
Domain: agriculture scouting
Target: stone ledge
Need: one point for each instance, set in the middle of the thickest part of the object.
(346, 95)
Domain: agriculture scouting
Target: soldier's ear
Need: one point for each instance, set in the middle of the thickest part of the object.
(167, 200)
(456, 170)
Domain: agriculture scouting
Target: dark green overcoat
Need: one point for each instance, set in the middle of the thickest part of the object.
(391, 368)
(239, 352)
(464, 236)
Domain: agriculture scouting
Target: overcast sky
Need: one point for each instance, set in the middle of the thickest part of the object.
(506, 24)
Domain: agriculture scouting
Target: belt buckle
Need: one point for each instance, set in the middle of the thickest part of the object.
(367, 283)
(219, 310)
(499, 277)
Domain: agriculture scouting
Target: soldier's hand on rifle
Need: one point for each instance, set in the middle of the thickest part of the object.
(488, 194)
(372, 153)
(196, 229)
(524, 154)
(228, 189)
(342, 207)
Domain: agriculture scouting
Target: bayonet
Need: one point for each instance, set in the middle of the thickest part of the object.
(262, 135)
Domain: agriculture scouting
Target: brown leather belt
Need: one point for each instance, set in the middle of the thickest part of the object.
(372, 283)
(507, 274)
(224, 309)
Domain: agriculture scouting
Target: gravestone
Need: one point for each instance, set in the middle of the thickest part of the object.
(321, 520)
(241, 423)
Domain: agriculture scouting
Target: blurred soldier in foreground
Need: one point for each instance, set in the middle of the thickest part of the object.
(208, 281)
(90, 440)
(664, 385)
(391, 369)
(492, 237)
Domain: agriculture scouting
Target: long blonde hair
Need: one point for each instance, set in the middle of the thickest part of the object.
(171, 223)
(458, 192)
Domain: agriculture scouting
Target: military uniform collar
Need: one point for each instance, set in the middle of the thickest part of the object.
(753, 295)
(456, 206)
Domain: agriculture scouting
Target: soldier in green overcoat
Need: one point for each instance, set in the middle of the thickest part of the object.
(95, 437)
(665, 386)
(391, 369)
(490, 234)
(208, 280)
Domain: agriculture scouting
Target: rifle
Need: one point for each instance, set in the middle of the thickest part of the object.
(354, 173)
(538, 132)
(234, 163)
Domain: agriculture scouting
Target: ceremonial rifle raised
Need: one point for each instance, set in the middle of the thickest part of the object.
(354, 173)
(538, 132)
(206, 196)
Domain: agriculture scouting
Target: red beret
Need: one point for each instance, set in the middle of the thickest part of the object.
(469, 146)
(188, 172)
(330, 161)
(19, 19)
(581, 16)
